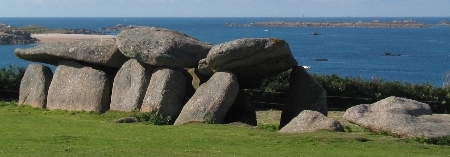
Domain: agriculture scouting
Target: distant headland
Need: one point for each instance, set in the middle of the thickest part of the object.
(360, 24)
(11, 35)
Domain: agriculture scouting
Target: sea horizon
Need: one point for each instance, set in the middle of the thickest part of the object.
(424, 53)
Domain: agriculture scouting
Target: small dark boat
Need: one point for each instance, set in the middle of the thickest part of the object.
(321, 59)
(390, 54)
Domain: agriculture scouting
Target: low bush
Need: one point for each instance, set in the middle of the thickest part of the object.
(345, 92)
(153, 118)
(10, 82)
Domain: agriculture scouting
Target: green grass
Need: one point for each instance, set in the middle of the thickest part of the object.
(25, 131)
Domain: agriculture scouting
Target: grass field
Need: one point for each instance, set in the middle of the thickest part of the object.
(25, 131)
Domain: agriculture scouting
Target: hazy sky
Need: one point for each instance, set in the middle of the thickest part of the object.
(224, 8)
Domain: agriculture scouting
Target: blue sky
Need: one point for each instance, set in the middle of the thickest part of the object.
(224, 8)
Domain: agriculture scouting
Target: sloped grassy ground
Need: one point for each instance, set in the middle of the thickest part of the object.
(25, 131)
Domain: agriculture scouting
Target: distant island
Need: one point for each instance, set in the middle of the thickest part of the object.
(444, 23)
(119, 27)
(11, 35)
(359, 24)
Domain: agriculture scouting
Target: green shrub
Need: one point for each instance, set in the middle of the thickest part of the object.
(438, 141)
(10, 82)
(268, 127)
(345, 92)
(153, 118)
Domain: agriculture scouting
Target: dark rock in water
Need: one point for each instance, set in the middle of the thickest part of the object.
(401, 117)
(165, 93)
(211, 101)
(251, 59)
(103, 53)
(129, 86)
(305, 93)
(34, 86)
(315, 33)
(76, 87)
(309, 121)
(162, 47)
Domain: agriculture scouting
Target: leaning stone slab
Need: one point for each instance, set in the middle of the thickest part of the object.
(103, 53)
(310, 121)
(76, 87)
(130, 84)
(251, 58)
(305, 93)
(165, 93)
(401, 117)
(162, 47)
(34, 86)
(211, 101)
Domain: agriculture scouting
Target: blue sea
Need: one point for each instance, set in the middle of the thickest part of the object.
(355, 52)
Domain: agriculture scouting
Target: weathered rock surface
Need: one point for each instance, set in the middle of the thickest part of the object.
(197, 77)
(250, 59)
(34, 86)
(162, 47)
(76, 87)
(309, 121)
(304, 94)
(203, 67)
(242, 110)
(211, 101)
(104, 53)
(129, 86)
(401, 117)
(165, 93)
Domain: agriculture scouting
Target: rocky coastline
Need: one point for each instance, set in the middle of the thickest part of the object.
(359, 24)
(16, 37)
(11, 35)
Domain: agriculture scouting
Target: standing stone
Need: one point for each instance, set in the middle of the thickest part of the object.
(309, 121)
(165, 93)
(95, 52)
(211, 101)
(251, 59)
(162, 47)
(34, 86)
(76, 87)
(305, 93)
(129, 86)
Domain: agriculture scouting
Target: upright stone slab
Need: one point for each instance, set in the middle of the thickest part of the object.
(95, 52)
(251, 59)
(34, 86)
(211, 101)
(129, 86)
(76, 87)
(165, 93)
(162, 47)
(305, 93)
(309, 121)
